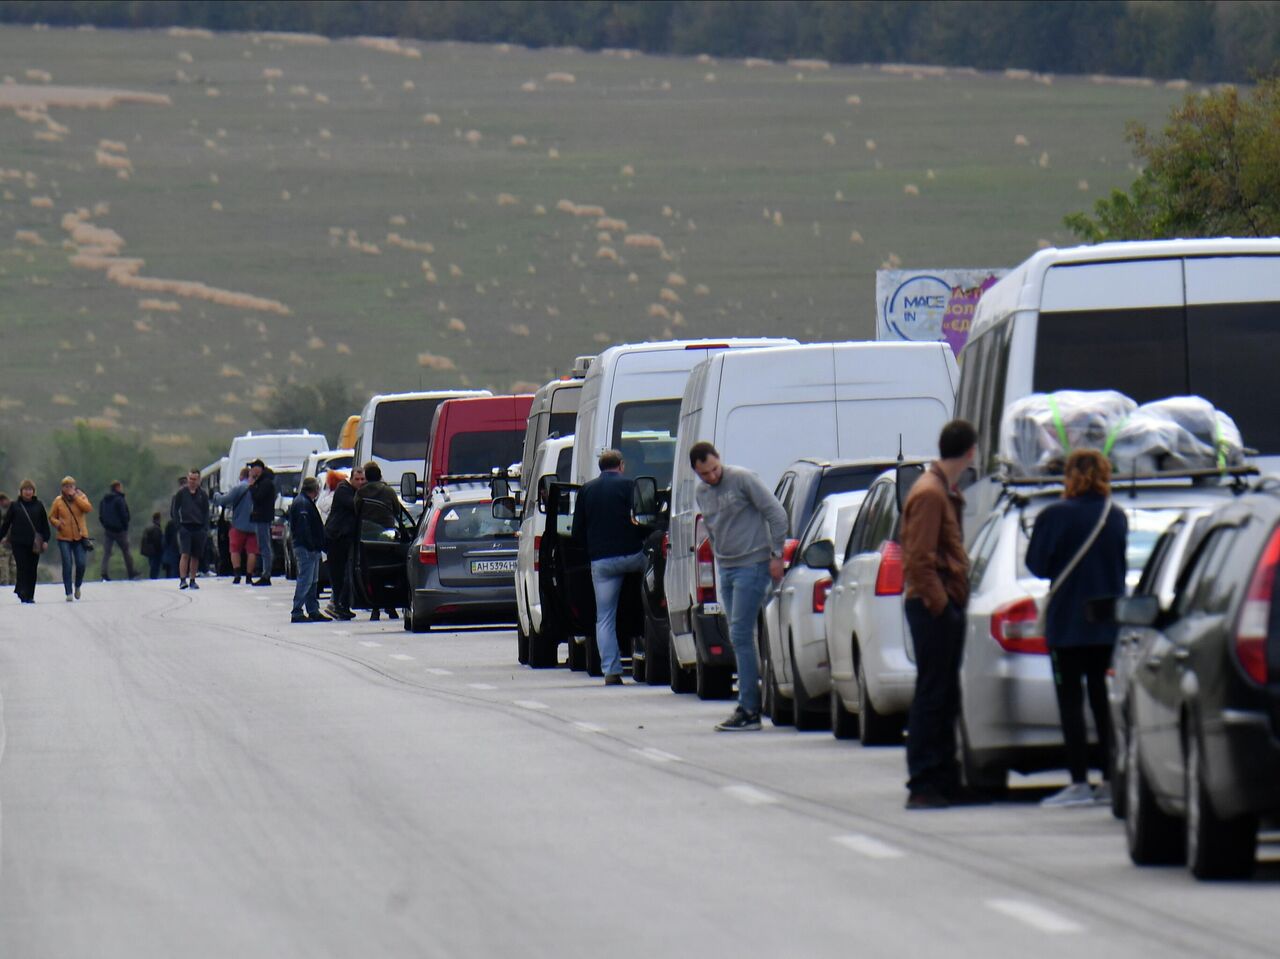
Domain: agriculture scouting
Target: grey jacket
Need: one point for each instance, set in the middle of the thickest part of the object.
(746, 522)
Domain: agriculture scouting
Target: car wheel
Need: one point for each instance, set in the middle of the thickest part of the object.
(713, 682)
(592, 653)
(1153, 835)
(417, 622)
(407, 618)
(657, 661)
(809, 713)
(290, 565)
(1216, 848)
(639, 663)
(522, 643)
(781, 711)
(577, 654)
(877, 729)
(844, 724)
(544, 649)
(1119, 754)
(976, 775)
(682, 680)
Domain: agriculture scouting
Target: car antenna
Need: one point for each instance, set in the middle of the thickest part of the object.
(899, 449)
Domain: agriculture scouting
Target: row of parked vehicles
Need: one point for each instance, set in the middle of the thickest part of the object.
(841, 430)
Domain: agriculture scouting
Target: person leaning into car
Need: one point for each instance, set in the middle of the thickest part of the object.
(936, 568)
(1081, 650)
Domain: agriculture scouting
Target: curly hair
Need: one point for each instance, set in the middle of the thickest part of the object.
(1087, 471)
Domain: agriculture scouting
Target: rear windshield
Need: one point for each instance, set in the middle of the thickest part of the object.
(472, 521)
(564, 462)
(848, 481)
(1145, 528)
(645, 434)
(401, 428)
(337, 463)
(481, 452)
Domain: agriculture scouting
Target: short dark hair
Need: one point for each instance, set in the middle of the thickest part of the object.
(258, 463)
(956, 439)
(609, 459)
(699, 452)
(116, 484)
(373, 472)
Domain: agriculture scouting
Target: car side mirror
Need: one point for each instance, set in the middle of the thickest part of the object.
(544, 488)
(820, 554)
(504, 507)
(499, 488)
(644, 500)
(905, 477)
(1124, 610)
(409, 487)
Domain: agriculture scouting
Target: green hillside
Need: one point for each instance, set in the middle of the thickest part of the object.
(426, 213)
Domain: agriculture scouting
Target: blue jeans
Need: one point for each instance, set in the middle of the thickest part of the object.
(72, 551)
(742, 591)
(306, 591)
(263, 532)
(606, 578)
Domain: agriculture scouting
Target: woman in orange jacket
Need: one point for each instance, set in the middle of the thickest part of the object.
(67, 517)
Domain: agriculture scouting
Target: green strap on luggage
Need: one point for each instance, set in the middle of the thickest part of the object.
(1061, 428)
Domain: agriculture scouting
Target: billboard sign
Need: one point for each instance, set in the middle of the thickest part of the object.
(929, 306)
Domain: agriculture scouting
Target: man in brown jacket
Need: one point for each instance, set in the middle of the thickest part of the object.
(936, 567)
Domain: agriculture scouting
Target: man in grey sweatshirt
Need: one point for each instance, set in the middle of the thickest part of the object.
(747, 527)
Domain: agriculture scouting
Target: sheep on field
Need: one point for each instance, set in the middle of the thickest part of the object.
(432, 361)
(643, 241)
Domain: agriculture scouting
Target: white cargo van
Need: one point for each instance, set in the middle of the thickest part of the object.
(630, 402)
(276, 448)
(765, 409)
(1150, 319)
(396, 427)
(554, 413)
(553, 457)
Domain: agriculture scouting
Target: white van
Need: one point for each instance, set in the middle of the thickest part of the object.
(1150, 319)
(554, 413)
(276, 448)
(630, 402)
(396, 427)
(765, 409)
(554, 457)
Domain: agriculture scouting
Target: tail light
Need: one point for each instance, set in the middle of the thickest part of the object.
(1255, 614)
(1015, 626)
(889, 579)
(537, 553)
(789, 552)
(821, 590)
(706, 562)
(427, 549)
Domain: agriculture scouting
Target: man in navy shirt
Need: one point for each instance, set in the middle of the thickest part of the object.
(602, 522)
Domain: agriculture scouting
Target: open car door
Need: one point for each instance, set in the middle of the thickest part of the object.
(564, 575)
(379, 577)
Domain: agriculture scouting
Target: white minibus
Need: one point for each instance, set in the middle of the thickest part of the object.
(395, 428)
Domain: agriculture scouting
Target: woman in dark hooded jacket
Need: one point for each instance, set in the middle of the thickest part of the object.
(26, 526)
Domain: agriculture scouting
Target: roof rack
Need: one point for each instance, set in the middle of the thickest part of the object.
(1237, 474)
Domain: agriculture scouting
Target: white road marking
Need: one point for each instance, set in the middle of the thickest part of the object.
(370, 643)
(403, 657)
(1037, 917)
(530, 704)
(436, 671)
(590, 727)
(481, 686)
(342, 632)
(868, 846)
(750, 795)
(658, 755)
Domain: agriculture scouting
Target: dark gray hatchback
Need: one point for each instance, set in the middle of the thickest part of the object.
(462, 563)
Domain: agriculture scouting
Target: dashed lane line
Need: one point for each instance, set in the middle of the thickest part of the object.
(529, 704)
(868, 846)
(436, 671)
(481, 686)
(589, 727)
(750, 795)
(1035, 916)
(370, 643)
(658, 755)
(403, 657)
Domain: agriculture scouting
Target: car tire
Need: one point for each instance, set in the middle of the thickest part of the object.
(712, 682)
(682, 680)
(290, 564)
(809, 714)
(977, 776)
(406, 618)
(544, 650)
(781, 709)
(577, 654)
(1154, 837)
(522, 643)
(1217, 848)
(876, 728)
(416, 622)
(593, 666)
(844, 724)
(657, 661)
(1119, 784)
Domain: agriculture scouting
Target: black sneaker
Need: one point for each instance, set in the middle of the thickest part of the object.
(927, 800)
(296, 618)
(236, 580)
(264, 581)
(613, 679)
(182, 584)
(194, 585)
(318, 617)
(740, 721)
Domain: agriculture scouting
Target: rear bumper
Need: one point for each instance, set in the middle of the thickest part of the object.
(711, 636)
(1242, 763)
(476, 604)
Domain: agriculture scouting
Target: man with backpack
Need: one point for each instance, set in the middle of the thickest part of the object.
(113, 514)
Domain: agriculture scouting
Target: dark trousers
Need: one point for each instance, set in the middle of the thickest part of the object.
(1074, 668)
(339, 552)
(155, 566)
(118, 538)
(931, 723)
(27, 562)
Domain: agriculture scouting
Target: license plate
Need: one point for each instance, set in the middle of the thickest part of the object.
(481, 566)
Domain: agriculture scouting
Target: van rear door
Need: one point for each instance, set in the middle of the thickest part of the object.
(564, 575)
(892, 393)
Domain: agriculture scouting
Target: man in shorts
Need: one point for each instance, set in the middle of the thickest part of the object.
(242, 537)
(190, 510)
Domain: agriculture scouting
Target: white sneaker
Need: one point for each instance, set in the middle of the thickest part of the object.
(70, 598)
(77, 592)
(1077, 794)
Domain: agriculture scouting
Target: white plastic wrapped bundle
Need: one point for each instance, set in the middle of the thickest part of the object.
(1038, 431)
(1178, 433)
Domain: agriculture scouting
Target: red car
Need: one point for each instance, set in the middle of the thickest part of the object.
(470, 436)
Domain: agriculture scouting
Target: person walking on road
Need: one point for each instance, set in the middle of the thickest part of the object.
(936, 568)
(375, 489)
(242, 538)
(262, 490)
(68, 517)
(747, 527)
(8, 566)
(1079, 545)
(113, 514)
(602, 524)
(308, 541)
(25, 528)
(340, 533)
(190, 510)
(152, 545)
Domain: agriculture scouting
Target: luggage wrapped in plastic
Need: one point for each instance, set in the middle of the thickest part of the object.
(1038, 431)
(1178, 433)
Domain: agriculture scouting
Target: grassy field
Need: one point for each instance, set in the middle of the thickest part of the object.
(280, 169)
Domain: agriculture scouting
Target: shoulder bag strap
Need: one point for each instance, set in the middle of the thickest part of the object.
(1080, 553)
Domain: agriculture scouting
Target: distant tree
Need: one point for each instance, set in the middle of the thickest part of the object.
(322, 406)
(96, 458)
(1213, 171)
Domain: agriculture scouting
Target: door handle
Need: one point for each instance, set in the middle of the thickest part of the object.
(1153, 662)
(1182, 654)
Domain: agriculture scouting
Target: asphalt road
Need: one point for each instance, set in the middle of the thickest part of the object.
(187, 774)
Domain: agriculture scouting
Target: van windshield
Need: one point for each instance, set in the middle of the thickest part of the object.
(645, 434)
(401, 428)
(564, 411)
(480, 452)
